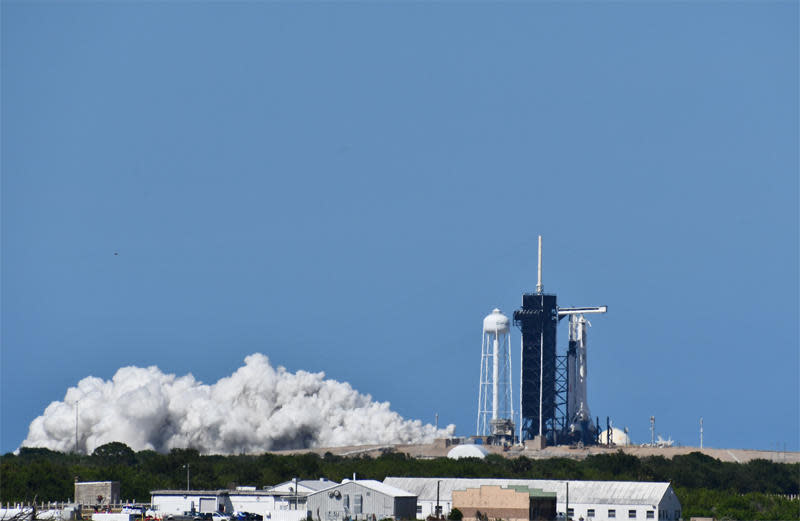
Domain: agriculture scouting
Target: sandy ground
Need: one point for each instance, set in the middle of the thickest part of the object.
(439, 449)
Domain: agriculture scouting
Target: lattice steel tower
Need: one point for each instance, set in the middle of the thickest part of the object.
(538, 320)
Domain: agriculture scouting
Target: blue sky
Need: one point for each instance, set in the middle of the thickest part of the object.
(350, 188)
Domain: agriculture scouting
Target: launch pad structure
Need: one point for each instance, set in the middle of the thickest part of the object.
(553, 399)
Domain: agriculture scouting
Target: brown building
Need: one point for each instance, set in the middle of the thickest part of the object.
(514, 503)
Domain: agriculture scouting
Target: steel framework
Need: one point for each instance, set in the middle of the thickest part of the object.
(538, 320)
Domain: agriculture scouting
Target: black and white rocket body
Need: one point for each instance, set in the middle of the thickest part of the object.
(580, 418)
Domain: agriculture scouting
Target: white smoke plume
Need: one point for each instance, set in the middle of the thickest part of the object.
(257, 408)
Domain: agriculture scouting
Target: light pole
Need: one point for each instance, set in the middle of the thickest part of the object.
(76, 425)
(187, 475)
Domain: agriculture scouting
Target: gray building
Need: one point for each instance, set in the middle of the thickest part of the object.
(363, 499)
(97, 492)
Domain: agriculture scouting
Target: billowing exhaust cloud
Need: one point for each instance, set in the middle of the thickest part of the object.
(258, 408)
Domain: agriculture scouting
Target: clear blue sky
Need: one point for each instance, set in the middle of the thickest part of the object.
(351, 187)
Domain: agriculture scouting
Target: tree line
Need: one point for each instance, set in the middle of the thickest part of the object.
(707, 487)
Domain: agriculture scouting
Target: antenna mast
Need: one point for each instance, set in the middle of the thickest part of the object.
(539, 286)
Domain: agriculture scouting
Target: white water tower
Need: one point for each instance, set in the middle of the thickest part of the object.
(495, 409)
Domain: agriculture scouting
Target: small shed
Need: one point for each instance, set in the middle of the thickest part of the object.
(97, 492)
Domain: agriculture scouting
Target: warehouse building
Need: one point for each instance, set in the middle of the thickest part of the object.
(588, 500)
(363, 499)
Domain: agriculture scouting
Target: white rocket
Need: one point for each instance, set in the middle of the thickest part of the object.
(580, 419)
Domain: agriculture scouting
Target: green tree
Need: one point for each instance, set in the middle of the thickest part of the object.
(114, 453)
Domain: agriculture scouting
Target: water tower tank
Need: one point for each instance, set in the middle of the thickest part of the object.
(495, 321)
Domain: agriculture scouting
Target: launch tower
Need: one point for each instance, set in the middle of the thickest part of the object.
(553, 402)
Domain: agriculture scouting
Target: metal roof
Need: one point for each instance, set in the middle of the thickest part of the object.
(220, 492)
(377, 486)
(259, 493)
(316, 484)
(580, 492)
(313, 484)
(188, 492)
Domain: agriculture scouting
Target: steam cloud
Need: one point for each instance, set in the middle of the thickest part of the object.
(257, 408)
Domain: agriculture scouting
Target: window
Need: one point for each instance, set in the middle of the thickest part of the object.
(419, 509)
(570, 512)
(651, 514)
(612, 513)
(357, 502)
(346, 501)
(631, 514)
(677, 514)
(590, 512)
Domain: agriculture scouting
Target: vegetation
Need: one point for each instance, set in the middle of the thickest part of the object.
(707, 487)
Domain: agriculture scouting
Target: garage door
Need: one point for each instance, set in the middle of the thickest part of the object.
(208, 504)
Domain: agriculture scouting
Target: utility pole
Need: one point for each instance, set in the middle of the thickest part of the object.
(438, 511)
(76, 425)
(701, 432)
(652, 431)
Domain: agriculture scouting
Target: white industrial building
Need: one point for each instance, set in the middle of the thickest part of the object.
(588, 500)
(271, 505)
(363, 499)
(176, 502)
